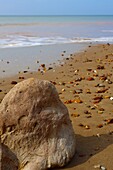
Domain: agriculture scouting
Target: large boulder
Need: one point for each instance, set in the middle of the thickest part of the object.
(35, 126)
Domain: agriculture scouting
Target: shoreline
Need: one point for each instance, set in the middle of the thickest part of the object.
(84, 83)
(15, 60)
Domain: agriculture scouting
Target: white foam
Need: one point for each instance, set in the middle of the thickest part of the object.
(23, 41)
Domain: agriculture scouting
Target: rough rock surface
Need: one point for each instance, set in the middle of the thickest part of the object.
(35, 126)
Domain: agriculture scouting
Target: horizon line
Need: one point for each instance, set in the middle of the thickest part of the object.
(57, 15)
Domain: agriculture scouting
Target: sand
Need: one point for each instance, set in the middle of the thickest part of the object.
(85, 85)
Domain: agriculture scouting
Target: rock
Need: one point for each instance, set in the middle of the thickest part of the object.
(35, 126)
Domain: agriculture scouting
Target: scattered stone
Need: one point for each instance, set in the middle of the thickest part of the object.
(25, 71)
(109, 121)
(101, 109)
(110, 82)
(98, 135)
(100, 112)
(87, 127)
(97, 99)
(43, 65)
(78, 91)
(111, 98)
(89, 69)
(103, 77)
(102, 90)
(93, 107)
(100, 126)
(101, 85)
(63, 90)
(80, 124)
(78, 100)
(21, 77)
(50, 68)
(14, 82)
(35, 126)
(99, 67)
(90, 78)
(97, 166)
(88, 91)
(78, 79)
(75, 115)
(62, 83)
(87, 112)
(102, 168)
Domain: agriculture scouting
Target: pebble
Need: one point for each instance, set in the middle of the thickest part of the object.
(101, 90)
(63, 90)
(14, 82)
(98, 135)
(78, 91)
(100, 112)
(101, 85)
(93, 107)
(110, 82)
(100, 67)
(100, 126)
(90, 78)
(111, 98)
(102, 168)
(88, 91)
(99, 167)
(87, 112)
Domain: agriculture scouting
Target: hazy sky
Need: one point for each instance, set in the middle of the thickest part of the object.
(56, 7)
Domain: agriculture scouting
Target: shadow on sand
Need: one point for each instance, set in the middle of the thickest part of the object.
(87, 147)
(8, 160)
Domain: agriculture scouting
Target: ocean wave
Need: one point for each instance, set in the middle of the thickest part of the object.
(24, 41)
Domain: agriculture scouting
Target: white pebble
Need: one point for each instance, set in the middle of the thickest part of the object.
(103, 168)
(97, 166)
(111, 98)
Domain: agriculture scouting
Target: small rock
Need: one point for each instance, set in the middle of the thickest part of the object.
(14, 82)
(90, 78)
(111, 98)
(63, 90)
(100, 67)
(102, 90)
(101, 85)
(110, 82)
(78, 91)
(87, 127)
(100, 112)
(88, 91)
(25, 71)
(97, 166)
(100, 126)
(102, 168)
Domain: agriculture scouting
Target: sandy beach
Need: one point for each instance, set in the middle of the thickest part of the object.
(85, 85)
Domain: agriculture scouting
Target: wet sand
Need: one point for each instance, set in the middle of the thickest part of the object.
(85, 85)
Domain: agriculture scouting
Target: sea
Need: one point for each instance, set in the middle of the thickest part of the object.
(45, 37)
(19, 31)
